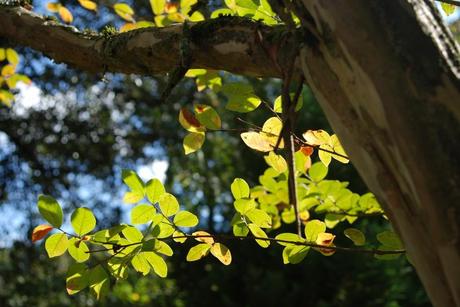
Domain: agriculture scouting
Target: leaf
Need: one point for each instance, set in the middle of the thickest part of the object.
(316, 137)
(207, 116)
(89, 5)
(40, 232)
(83, 221)
(158, 6)
(65, 14)
(56, 244)
(298, 253)
(76, 278)
(241, 97)
(239, 188)
(179, 237)
(132, 197)
(337, 148)
(78, 250)
(198, 251)
(53, 7)
(124, 11)
(288, 237)
(154, 189)
(2, 54)
(317, 172)
(132, 234)
(449, 9)
(189, 122)
(209, 240)
(50, 210)
(258, 232)
(356, 236)
(168, 204)
(163, 248)
(140, 263)
(244, 205)
(276, 161)
(12, 56)
(390, 239)
(240, 229)
(185, 219)
(142, 214)
(256, 141)
(271, 129)
(193, 141)
(158, 264)
(313, 228)
(132, 180)
(278, 107)
(260, 218)
(129, 26)
(99, 281)
(222, 253)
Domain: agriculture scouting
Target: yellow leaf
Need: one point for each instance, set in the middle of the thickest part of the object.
(8, 70)
(204, 239)
(124, 11)
(316, 137)
(337, 147)
(448, 8)
(2, 54)
(193, 141)
(272, 130)
(256, 141)
(158, 6)
(65, 14)
(324, 156)
(53, 7)
(222, 253)
(89, 5)
(12, 56)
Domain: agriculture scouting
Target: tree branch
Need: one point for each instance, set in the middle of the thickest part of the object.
(225, 43)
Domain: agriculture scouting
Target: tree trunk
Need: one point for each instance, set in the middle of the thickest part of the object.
(386, 73)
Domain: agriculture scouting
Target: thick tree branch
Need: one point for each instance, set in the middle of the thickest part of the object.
(225, 43)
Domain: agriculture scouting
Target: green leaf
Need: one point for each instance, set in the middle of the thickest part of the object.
(99, 281)
(288, 237)
(158, 264)
(448, 8)
(258, 232)
(240, 229)
(313, 228)
(386, 256)
(12, 56)
(154, 189)
(140, 264)
(260, 218)
(56, 244)
(124, 11)
(76, 278)
(207, 116)
(83, 221)
(317, 172)
(158, 6)
(50, 210)
(278, 107)
(198, 251)
(185, 219)
(163, 248)
(288, 215)
(240, 188)
(356, 236)
(276, 161)
(78, 250)
(193, 141)
(332, 219)
(241, 97)
(243, 205)
(132, 180)
(132, 197)
(168, 204)
(390, 239)
(298, 253)
(142, 214)
(324, 156)
(132, 234)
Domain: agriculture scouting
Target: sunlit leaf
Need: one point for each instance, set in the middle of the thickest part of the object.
(158, 6)
(76, 278)
(83, 221)
(313, 228)
(243, 205)
(449, 9)
(65, 14)
(271, 129)
(142, 214)
(240, 188)
(78, 250)
(40, 232)
(222, 253)
(89, 5)
(260, 218)
(189, 122)
(185, 219)
(288, 237)
(256, 141)
(207, 116)
(154, 189)
(276, 161)
(124, 11)
(99, 281)
(157, 262)
(53, 7)
(12, 56)
(50, 210)
(259, 233)
(241, 97)
(298, 253)
(140, 263)
(56, 244)
(133, 181)
(206, 237)
(198, 251)
(278, 108)
(316, 137)
(168, 204)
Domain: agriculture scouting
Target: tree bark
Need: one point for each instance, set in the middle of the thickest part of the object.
(386, 74)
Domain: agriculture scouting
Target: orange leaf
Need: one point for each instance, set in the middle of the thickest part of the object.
(65, 14)
(306, 150)
(53, 6)
(40, 232)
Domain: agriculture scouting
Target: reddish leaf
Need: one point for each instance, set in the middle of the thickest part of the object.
(306, 150)
(190, 118)
(40, 232)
